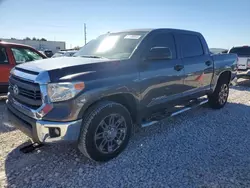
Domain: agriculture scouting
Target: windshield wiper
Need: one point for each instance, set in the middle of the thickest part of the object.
(92, 56)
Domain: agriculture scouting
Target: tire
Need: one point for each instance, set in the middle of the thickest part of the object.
(219, 97)
(99, 132)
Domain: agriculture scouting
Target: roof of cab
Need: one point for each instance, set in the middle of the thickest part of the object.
(158, 29)
(3, 43)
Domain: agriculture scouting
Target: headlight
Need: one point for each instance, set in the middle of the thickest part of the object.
(64, 91)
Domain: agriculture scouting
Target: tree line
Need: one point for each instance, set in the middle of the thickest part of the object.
(34, 38)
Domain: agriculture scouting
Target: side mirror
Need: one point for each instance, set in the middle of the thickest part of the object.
(159, 53)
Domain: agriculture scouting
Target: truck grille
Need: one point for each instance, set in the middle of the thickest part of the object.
(29, 93)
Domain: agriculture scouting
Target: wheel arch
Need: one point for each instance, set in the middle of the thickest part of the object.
(125, 99)
(226, 74)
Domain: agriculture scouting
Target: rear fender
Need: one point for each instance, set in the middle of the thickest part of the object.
(224, 64)
(225, 73)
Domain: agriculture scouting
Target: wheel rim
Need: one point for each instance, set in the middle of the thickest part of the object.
(223, 94)
(110, 133)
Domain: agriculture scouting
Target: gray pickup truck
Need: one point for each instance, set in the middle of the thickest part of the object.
(115, 82)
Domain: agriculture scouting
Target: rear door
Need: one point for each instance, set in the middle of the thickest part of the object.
(198, 65)
(243, 55)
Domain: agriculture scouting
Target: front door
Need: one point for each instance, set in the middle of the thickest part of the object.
(161, 80)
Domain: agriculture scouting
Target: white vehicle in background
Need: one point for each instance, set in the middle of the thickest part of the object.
(243, 53)
(67, 53)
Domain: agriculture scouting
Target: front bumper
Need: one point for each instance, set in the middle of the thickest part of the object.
(43, 131)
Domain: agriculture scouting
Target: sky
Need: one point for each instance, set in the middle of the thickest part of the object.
(223, 23)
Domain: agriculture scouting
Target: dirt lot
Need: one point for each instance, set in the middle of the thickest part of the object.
(201, 148)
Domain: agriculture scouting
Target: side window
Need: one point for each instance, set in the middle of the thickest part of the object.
(3, 56)
(23, 55)
(190, 45)
(164, 42)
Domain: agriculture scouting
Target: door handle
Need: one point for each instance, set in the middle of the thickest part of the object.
(178, 67)
(208, 63)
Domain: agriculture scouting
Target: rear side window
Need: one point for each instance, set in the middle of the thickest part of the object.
(190, 45)
(3, 56)
(164, 40)
(241, 51)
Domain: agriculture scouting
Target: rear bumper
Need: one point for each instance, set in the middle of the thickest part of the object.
(243, 73)
(42, 131)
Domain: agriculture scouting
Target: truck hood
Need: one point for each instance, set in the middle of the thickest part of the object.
(73, 68)
(58, 63)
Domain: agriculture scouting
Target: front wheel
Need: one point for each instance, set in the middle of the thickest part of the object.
(220, 95)
(106, 131)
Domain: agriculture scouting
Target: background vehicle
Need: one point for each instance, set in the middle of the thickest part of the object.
(67, 53)
(243, 53)
(115, 81)
(218, 50)
(42, 53)
(47, 53)
(12, 54)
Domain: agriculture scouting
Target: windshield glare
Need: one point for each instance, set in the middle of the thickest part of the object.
(112, 46)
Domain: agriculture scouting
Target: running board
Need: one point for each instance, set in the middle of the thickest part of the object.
(176, 113)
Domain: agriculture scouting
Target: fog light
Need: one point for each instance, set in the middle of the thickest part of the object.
(54, 132)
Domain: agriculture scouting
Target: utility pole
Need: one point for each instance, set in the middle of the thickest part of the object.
(85, 33)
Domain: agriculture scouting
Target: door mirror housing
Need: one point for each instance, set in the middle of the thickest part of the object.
(159, 53)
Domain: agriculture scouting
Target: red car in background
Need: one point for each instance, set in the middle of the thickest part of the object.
(12, 54)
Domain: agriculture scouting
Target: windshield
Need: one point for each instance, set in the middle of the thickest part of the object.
(112, 46)
(241, 51)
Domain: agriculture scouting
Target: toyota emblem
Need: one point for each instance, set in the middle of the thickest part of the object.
(15, 90)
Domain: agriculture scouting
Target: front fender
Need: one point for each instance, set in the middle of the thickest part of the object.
(90, 98)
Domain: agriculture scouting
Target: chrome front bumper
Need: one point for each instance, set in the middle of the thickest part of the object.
(30, 121)
(40, 131)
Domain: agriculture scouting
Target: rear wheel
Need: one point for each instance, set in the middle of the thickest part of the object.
(106, 131)
(219, 97)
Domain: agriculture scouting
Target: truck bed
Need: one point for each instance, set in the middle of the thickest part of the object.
(222, 61)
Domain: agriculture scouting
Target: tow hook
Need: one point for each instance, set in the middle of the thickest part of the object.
(31, 147)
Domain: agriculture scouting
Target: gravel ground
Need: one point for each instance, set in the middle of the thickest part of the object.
(201, 148)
